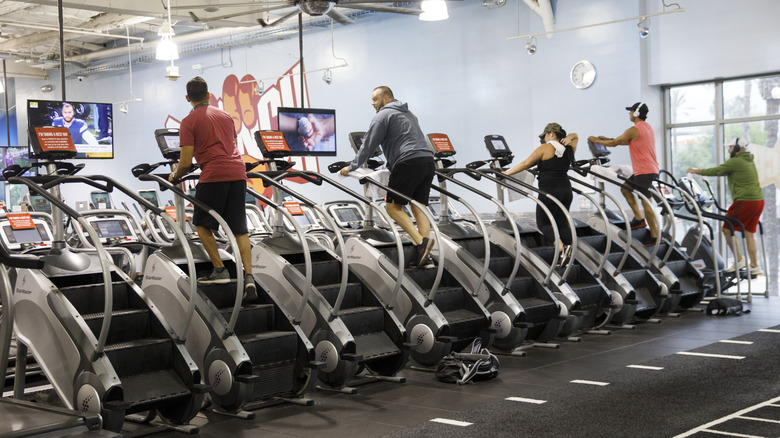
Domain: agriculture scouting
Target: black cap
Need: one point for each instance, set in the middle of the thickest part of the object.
(642, 108)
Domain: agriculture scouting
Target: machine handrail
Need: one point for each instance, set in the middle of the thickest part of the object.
(164, 184)
(622, 211)
(396, 236)
(485, 240)
(434, 228)
(304, 248)
(446, 174)
(103, 257)
(334, 311)
(603, 261)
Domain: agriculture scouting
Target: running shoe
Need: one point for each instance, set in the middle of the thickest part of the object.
(422, 250)
(754, 272)
(742, 265)
(250, 289)
(637, 224)
(216, 276)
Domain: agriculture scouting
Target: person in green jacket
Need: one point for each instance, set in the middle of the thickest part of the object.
(742, 177)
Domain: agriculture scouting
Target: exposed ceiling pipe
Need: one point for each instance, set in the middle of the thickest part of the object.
(544, 9)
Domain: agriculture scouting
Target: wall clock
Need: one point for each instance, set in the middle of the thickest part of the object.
(583, 74)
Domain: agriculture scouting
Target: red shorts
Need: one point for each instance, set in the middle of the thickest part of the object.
(746, 212)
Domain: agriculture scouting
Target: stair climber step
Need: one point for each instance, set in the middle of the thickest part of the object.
(221, 295)
(254, 318)
(362, 320)
(449, 298)
(91, 298)
(375, 345)
(538, 310)
(464, 323)
(140, 356)
(274, 379)
(353, 295)
(270, 347)
(126, 325)
(154, 386)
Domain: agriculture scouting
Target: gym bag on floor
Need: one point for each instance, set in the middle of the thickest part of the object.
(473, 363)
(725, 306)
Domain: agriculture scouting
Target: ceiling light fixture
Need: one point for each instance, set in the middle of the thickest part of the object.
(530, 46)
(644, 28)
(166, 48)
(434, 10)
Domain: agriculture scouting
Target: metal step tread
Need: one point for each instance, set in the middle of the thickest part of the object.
(531, 302)
(254, 337)
(115, 312)
(136, 343)
(355, 310)
(153, 386)
(461, 315)
(375, 345)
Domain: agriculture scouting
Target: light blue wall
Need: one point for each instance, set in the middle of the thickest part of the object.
(462, 77)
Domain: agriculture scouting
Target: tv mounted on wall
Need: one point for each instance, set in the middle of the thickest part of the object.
(310, 132)
(90, 124)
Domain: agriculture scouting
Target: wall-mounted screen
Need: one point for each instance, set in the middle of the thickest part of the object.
(10, 155)
(90, 124)
(151, 196)
(309, 131)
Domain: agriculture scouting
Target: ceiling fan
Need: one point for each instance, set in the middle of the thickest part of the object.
(315, 8)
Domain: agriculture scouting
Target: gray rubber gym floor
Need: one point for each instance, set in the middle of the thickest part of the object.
(693, 375)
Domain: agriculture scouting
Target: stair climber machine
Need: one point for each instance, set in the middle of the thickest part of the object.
(104, 347)
(309, 275)
(700, 246)
(440, 313)
(20, 418)
(250, 355)
(521, 307)
(641, 294)
(667, 261)
(583, 294)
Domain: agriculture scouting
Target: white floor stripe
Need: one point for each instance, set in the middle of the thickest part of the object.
(451, 422)
(704, 427)
(770, 330)
(729, 341)
(740, 435)
(526, 400)
(765, 420)
(645, 367)
(30, 390)
(590, 382)
(719, 356)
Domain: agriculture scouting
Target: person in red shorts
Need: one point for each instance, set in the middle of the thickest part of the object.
(209, 135)
(740, 171)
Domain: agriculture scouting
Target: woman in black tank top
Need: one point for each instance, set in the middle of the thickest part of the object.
(552, 160)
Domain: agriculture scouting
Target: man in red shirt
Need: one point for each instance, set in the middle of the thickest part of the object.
(208, 134)
(640, 139)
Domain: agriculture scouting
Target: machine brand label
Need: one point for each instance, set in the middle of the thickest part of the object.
(24, 291)
(259, 266)
(153, 277)
(354, 257)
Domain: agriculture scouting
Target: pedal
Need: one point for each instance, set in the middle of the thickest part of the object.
(410, 346)
(352, 357)
(447, 339)
(524, 325)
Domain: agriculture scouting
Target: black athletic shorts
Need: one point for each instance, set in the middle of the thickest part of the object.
(412, 178)
(642, 183)
(227, 199)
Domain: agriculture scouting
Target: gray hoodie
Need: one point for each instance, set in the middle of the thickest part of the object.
(399, 133)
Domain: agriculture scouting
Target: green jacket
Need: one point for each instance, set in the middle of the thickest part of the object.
(742, 177)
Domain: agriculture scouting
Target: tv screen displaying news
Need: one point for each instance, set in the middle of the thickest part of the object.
(309, 131)
(90, 124)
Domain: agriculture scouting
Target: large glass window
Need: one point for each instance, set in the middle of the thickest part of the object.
(692, 103)
(692, 146)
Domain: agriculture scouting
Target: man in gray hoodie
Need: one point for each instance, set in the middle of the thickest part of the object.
(410, 161)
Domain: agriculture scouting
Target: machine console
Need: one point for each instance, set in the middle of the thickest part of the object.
(113, 229)
(21, 231)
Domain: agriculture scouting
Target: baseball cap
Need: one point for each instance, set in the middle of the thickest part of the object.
(552, 127)
(643, 109)
(741, 142)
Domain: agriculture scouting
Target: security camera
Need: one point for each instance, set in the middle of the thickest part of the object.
(172, 73)
(80, 78)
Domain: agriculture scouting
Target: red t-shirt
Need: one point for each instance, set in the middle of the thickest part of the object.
(642, 150)
(211, 131)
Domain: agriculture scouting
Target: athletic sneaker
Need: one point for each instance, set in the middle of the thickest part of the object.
(421, 251)
(565, 256)
(650, 241)
(250, 289)
(742, 265)
(637, 224)
(217, 276)
(427, 264)
(754, 272)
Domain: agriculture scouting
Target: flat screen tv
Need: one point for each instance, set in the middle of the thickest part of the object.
(308, 131)
(10, 155)
(90, 124)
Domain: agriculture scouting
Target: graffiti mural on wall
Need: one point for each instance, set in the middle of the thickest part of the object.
(252, 112)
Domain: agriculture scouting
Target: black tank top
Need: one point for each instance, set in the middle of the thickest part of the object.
(556, 167)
